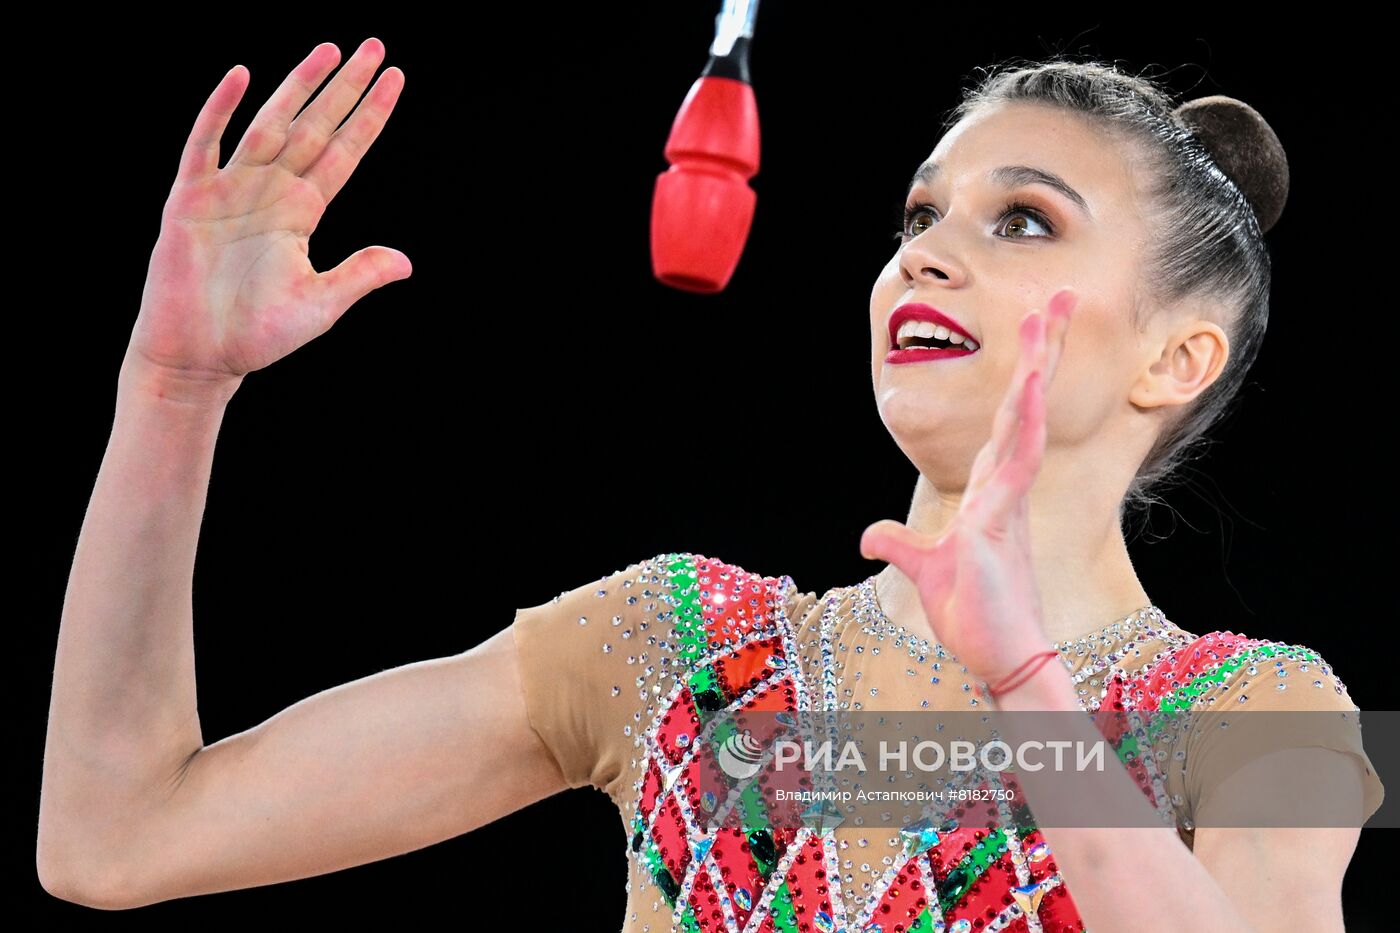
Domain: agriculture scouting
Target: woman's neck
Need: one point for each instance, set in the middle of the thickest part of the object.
(1080, 560)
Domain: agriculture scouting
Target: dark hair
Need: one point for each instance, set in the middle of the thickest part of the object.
(1212, 245)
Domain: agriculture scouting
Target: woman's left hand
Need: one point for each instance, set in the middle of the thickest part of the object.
(975, 580)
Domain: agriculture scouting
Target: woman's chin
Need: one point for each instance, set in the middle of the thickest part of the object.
(925, 409)
(926, 438)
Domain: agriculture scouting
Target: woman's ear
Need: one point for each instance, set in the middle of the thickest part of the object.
(1193, 355)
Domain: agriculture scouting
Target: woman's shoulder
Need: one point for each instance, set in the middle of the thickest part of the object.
(599, 662)
(683, 603)
(692, 578)
(702, 579)
(1227, 666)
(1294, 695)
(716, 601)
(684, 569)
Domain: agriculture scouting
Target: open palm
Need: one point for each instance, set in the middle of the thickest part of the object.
(230, 288)
(975, 580)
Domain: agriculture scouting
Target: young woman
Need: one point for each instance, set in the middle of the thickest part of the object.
(1132, 233)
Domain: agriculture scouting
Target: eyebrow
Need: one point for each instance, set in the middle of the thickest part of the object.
(1011, 176)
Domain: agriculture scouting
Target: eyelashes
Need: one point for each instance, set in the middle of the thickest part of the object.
(909, 212)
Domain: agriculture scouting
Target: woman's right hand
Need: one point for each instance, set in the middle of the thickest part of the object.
(230, 288)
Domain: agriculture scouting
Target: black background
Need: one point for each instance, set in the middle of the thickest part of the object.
(480, 437)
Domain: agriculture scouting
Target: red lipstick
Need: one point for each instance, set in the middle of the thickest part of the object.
(922, 312)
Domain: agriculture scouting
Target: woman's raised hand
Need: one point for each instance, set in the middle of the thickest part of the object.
(230, 288)
(975, 581)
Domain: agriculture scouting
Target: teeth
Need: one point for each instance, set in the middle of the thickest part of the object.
(916, 329)
(926, 329)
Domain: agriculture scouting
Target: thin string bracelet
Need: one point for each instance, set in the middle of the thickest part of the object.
(1014, 679)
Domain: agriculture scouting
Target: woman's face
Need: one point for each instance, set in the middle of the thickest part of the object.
(986, 267)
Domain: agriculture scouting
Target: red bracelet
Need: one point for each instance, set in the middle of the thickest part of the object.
(1010, 681)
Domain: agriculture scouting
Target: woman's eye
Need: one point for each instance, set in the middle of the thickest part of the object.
(911, 216)
(1021, 213)
(918, 218)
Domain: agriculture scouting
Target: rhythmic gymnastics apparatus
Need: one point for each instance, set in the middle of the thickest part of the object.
(1078, 289)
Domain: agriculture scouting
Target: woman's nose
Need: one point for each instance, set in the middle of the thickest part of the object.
(925, 261)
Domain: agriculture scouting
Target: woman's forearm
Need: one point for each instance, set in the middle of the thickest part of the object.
(1099, 863)
(122, 715)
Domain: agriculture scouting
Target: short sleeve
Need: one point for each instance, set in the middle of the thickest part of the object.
(1303, 704)
(583, 659)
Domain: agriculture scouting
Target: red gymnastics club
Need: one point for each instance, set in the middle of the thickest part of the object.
(702, 208)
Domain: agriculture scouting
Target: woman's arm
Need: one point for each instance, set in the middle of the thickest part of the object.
(134, 808)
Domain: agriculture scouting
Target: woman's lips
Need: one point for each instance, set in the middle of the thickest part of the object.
(918, 311)
(922, 354)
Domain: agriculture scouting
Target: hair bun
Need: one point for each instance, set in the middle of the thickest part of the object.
(1245, 147)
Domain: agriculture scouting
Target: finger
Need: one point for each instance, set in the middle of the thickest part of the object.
(929, 563)
(1008, 414)
(267, 133)
(313, 126)
(1023, 437)
(1017, 474)
(983, 466)
(995, 451)
(1062, 305)
(343, 153)
(1025, 459)
(898, 544)
(201, 153)
(358, 275)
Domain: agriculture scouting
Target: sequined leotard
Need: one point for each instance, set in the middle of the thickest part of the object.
(616, 674)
